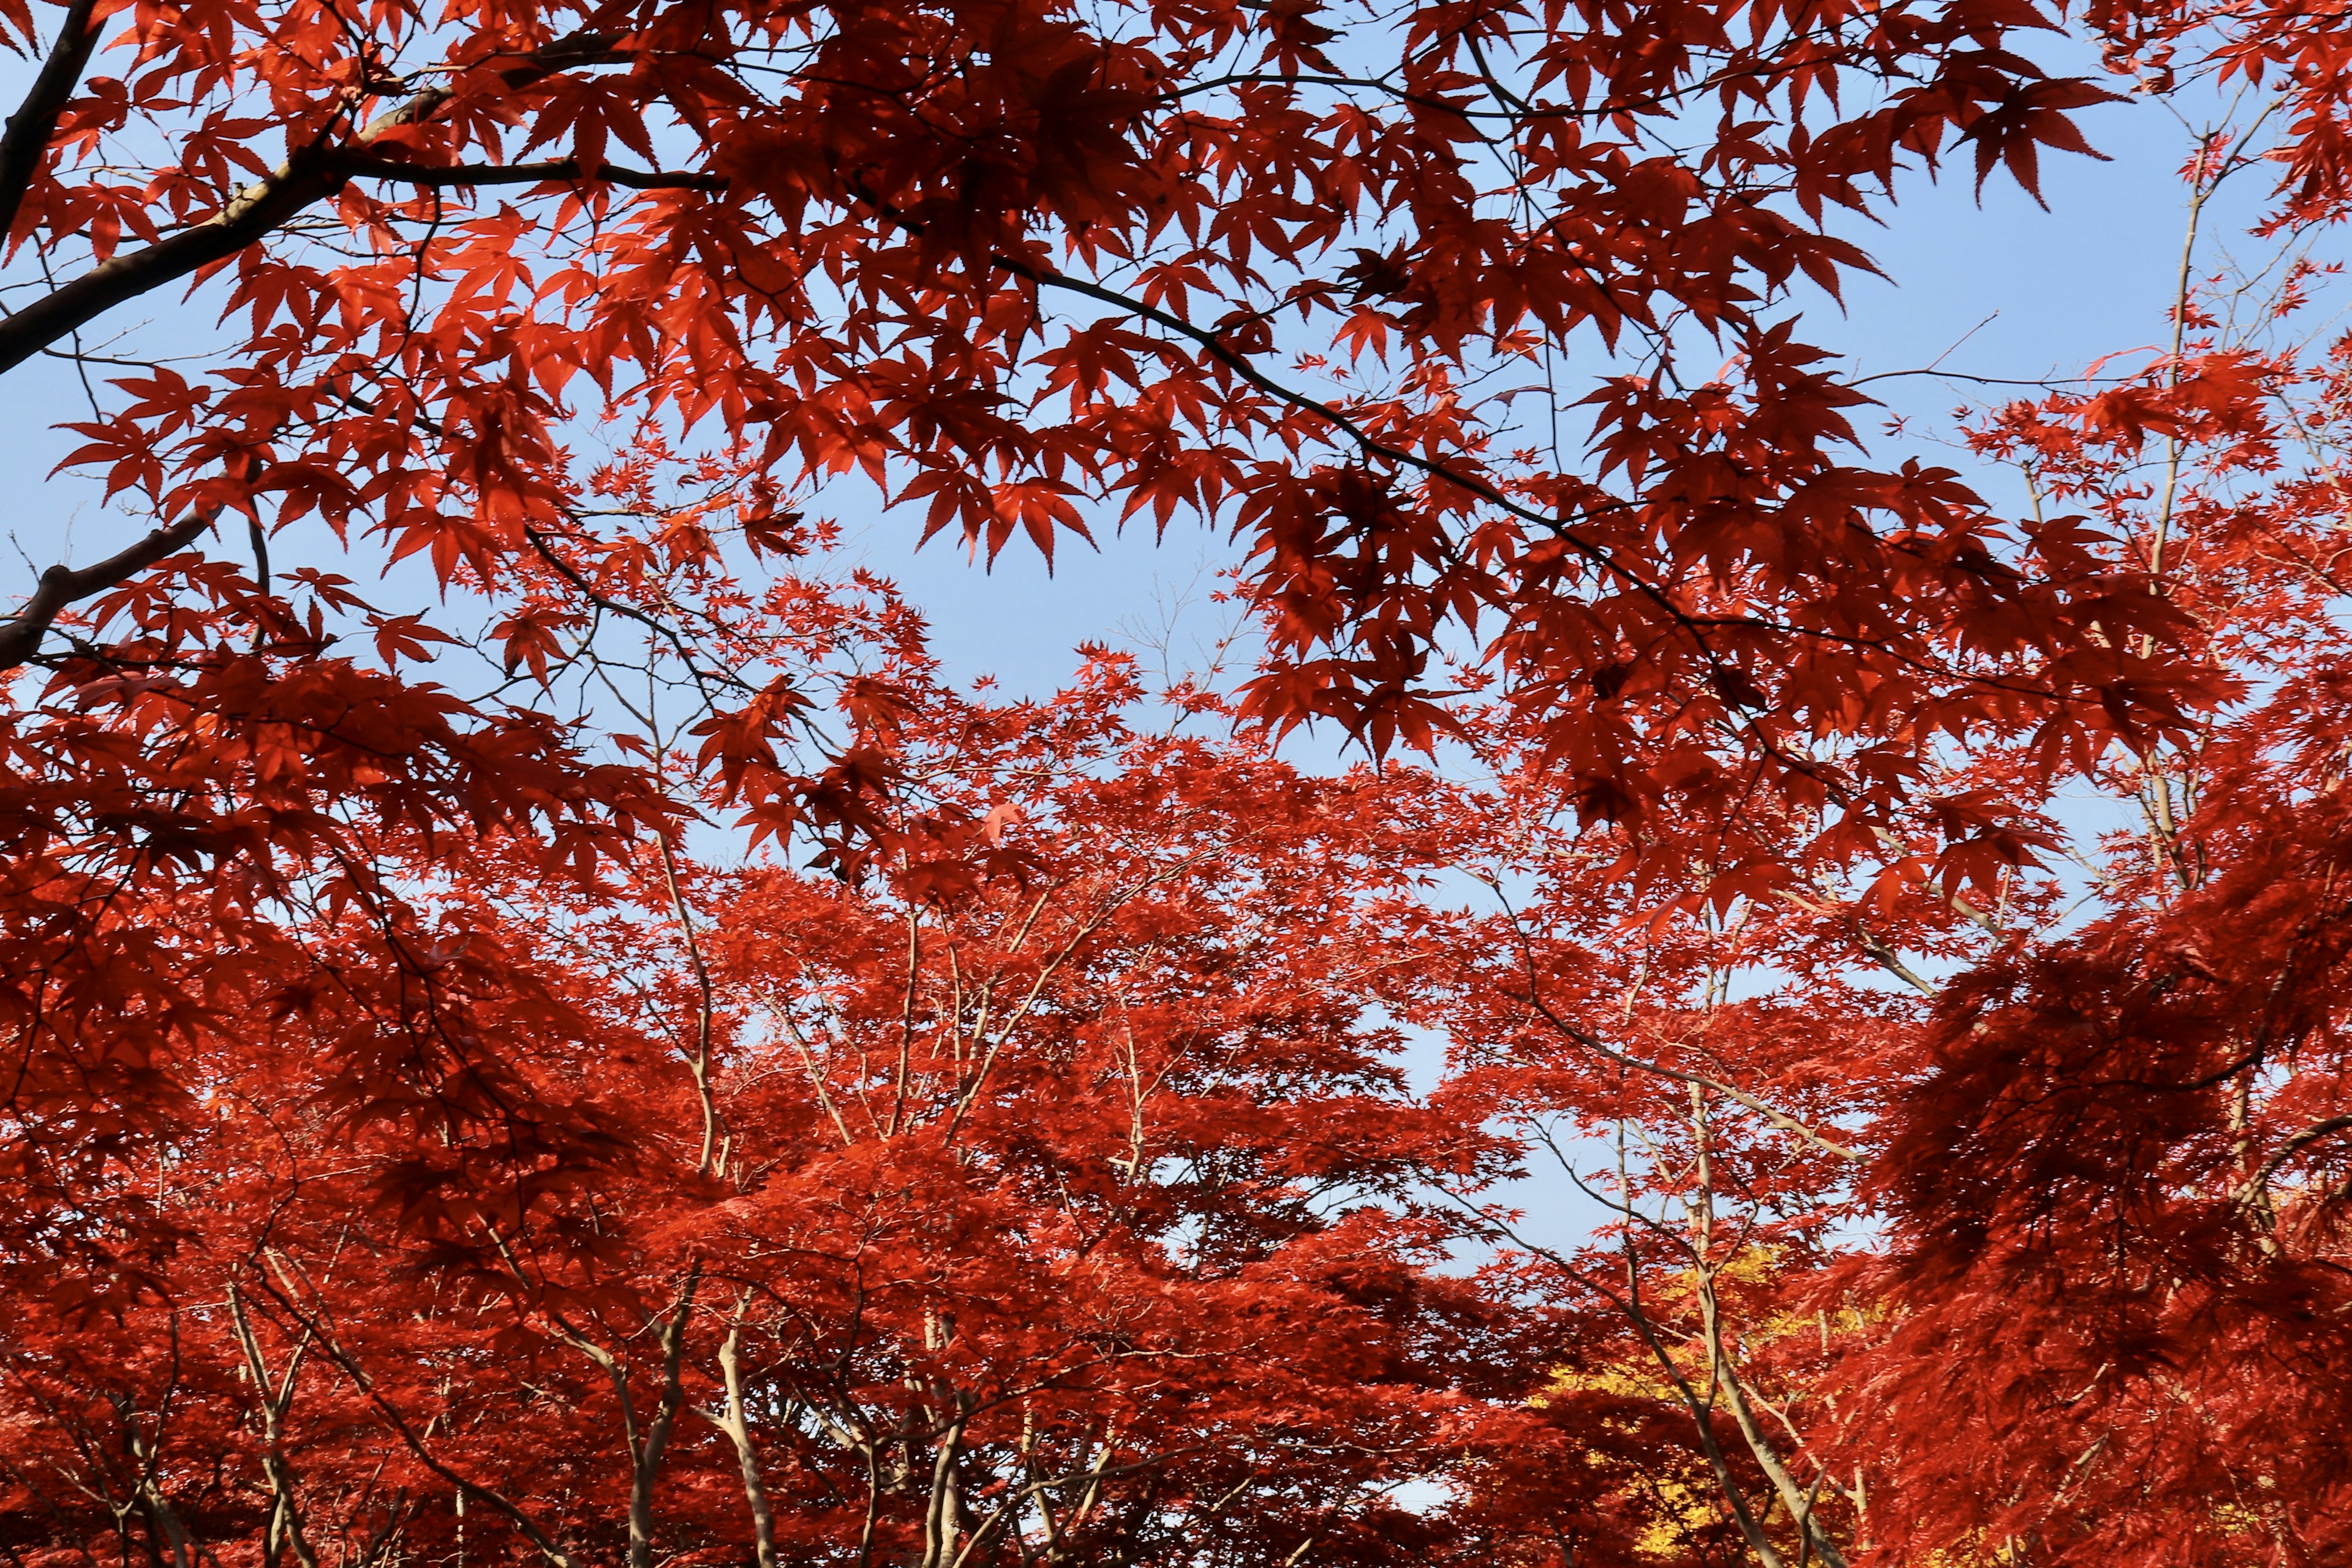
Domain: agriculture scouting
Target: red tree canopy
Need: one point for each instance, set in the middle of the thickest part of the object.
(1834, 1051)
(1028, 270)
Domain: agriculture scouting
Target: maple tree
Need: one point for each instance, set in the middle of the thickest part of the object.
(2047, 1267)
(419, 1140)
(2151, 1108)
(1032, 1194)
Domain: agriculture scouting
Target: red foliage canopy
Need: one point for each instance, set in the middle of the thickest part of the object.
(427, 1131)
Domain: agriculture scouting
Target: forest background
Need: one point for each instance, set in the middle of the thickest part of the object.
(1627, 941)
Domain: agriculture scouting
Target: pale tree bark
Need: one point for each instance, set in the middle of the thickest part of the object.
(645, 1443)
(1628, 1302)
(1057, 1531)
(282, 1290)
(943, 1510)
(735, 1421)
(146, 1456)
(1702, 1411)
(1798, 1500)
(274, 1400)
(698, 1063)
(649, 1455)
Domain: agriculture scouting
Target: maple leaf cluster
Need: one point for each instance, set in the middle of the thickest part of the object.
(542, 1025)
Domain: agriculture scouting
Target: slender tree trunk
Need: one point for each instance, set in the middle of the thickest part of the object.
(944, 1512)
(737, 1425)
(285, 1527)
(647, 1456)
(1795, 1498)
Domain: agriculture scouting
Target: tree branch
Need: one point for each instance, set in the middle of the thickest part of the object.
(286, 1515)
(21, 634)
(2288, 1150)
(36, 119)
(1592, 1042)
(310, 174)
(546, 172)
(391, 1416)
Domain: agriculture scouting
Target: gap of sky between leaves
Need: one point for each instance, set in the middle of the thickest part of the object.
(2000, 288)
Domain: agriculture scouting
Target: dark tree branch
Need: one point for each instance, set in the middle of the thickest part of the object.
(21, 634)
(36, 119)
(254, 211)
(2287, 1151)
(311, 175)
(547, 171)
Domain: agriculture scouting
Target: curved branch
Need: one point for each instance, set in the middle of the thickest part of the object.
(310, 174)
(1592, 1042)
(252, 214)
(2288, 1150)
(1779, 1119)
(21, 634)
(391, 1415)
